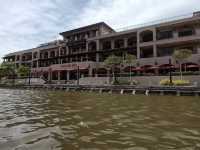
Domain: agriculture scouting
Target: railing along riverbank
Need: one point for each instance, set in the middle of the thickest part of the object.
(120, 89)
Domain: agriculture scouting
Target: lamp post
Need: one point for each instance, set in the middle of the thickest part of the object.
(170, 71)
(77, 75)
(29, 77)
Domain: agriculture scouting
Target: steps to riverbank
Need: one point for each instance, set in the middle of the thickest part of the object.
(134, 90)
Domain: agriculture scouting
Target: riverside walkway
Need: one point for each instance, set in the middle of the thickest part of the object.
(123, 89)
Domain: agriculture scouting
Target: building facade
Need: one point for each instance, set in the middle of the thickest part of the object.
(84, 50)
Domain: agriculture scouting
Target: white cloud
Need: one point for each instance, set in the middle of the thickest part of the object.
(120, 13)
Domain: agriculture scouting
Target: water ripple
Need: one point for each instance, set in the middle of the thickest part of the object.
(43, 120)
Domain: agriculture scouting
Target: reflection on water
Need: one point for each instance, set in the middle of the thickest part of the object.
(42, 120)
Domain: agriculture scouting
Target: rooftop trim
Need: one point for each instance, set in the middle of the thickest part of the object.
(74, 31)
(156, 23)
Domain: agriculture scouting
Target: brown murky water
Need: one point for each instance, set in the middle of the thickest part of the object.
(41, 120)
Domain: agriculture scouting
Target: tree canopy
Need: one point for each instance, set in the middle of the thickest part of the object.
(113, 61)
(23, 71)
(7, 69)
(182, 54)
(129, 59)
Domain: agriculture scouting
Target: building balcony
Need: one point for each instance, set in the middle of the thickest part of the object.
(195, 58)
(118, 49)
(183, 39)
(174, 40)
(76, 42)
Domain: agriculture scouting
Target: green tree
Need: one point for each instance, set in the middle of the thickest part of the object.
(112, 62)
(23, 71)
(129, 60)
(8, 70)
(181, 55)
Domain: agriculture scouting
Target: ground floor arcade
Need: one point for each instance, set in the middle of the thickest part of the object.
(72, 73)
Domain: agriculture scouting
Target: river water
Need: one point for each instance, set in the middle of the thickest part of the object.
(52, 120)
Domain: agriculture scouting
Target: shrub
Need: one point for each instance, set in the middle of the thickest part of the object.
(165, 82)
(175, 82)
(181, 82)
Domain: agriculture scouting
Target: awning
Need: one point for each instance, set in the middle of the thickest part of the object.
(148, 67)
(167, 66)
(192, 66)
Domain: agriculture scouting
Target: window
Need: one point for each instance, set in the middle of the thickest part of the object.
(186, 32)
(146, 52)
(164, 35)
(165, 51)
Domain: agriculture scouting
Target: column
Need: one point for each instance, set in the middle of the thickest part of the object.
(37, 64)
(49, 75)
(138, 45)
(67, 50)
(112, 44)
(98, 48)
(90, 72)
(86, 36)
(20, 60)
(97, 33)
(154, 44)
(154, 34)
(198, 49)
(197, 29)
(49, 54)
(58, 76)
(59, 50)
(97, 57)
(108, 76)
(125, 42)
(32, 55)
(38, 54)
(154, 50)
(98, 45)
(87, 47)
(75, 37)
(175, 33)
(68, 75)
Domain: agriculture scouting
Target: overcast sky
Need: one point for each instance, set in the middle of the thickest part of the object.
(26, 23)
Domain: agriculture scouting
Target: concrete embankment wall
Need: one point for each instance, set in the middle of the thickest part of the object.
(33, 81)
(142, 80)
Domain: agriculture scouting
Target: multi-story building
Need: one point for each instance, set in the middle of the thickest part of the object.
(85, 49)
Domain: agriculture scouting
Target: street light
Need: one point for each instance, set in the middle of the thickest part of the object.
(29, 76)
(77, 75)
(170, 71)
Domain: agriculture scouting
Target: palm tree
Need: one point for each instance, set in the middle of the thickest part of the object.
(181, 55)
(130, 60)
(112, 62)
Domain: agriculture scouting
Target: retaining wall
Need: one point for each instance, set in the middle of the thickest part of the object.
(142, 80)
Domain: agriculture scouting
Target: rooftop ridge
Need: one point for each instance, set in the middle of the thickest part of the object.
(159, 21)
